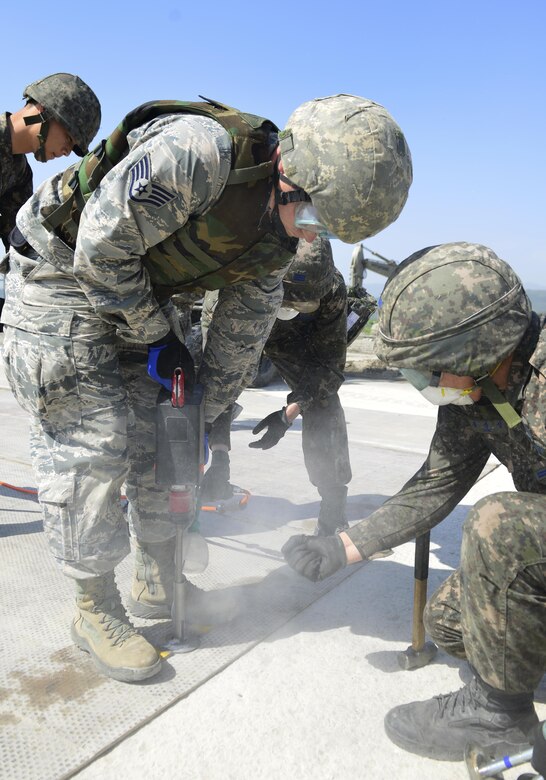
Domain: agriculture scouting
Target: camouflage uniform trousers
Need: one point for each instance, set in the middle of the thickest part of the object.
(309, 353)
(492, 610)
(92, 433)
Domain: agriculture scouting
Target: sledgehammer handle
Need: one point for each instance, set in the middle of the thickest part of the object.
(422, 547)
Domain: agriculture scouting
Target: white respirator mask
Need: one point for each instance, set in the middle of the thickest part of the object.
(440, 396)
(428, 385)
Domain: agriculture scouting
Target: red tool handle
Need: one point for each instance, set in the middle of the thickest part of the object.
(177, 388)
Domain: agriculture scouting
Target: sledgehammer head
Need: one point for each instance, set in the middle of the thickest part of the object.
(415, 659)
(475, 760)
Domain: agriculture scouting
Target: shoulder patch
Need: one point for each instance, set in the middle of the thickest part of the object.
(143, 190)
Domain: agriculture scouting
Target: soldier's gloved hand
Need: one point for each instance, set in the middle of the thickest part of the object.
(276, 424)
(215, 485)
(167, 354)
(315, 557)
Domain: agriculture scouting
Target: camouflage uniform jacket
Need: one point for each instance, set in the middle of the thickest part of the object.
(309, 350)
(189, 162)
(464, 439)
(15, 181)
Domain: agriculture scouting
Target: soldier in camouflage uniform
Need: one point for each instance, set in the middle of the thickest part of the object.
(182, 197)
(61, 115)
(309, 351)
(307, 345)
(457, 322)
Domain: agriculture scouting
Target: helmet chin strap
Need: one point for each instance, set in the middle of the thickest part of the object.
(296, 195)
(43, 120)
(503, 407)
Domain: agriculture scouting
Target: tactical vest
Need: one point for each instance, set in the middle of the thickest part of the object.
(225, 245)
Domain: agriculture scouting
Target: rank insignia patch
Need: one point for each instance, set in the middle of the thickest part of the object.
(143, 190)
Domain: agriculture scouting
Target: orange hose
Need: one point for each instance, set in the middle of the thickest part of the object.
(31, 491)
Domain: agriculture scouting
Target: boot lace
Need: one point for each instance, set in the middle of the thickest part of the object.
(461, 700)
(116, 627)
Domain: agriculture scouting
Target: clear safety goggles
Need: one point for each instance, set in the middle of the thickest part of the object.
(306, 217)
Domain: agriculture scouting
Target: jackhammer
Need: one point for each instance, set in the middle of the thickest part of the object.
(180, 461)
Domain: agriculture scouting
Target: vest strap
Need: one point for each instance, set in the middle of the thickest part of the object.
(503, 407)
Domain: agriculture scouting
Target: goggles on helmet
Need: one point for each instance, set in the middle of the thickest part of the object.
(306, 217)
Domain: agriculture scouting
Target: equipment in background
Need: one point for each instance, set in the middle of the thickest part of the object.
(360, 307)
(360, 303)
(180, 461)
(361, 264)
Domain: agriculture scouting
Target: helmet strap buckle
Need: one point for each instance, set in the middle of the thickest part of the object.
(293, 196)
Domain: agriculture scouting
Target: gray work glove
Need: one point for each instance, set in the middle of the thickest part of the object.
(276, 424)
(315, 557)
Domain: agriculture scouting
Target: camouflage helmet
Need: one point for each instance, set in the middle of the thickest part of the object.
(71, 102)
(311, 274)
(351, 158)
(455, 307)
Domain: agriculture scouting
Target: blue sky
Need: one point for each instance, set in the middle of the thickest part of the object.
(465, 81)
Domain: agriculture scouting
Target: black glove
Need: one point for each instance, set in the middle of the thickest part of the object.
(276, 424)
(215, 485)
(167, 354)
(315, 557)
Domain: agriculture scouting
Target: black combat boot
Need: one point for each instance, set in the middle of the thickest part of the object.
(333, 511)
(216, 485)
(441, 727)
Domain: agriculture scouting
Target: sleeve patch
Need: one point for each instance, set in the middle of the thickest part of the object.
(143, 190)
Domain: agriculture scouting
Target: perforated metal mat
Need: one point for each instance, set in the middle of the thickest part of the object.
(57, 712)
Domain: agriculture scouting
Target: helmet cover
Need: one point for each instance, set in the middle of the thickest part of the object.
(71, 102)
(456, 308)
(352, 159)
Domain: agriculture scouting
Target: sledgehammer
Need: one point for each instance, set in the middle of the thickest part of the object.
(419, 653)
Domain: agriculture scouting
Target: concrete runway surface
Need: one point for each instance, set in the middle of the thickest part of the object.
(296, 685)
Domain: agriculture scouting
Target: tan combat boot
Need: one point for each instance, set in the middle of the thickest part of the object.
(101, 628)
(153, 576)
